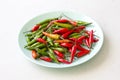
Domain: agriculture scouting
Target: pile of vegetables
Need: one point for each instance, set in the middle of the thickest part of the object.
(60, 40)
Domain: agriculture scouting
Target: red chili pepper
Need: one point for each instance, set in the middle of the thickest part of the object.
(61, 31)
(34, 54)
(62, 20)
(78, 29)
(65, 35)
(66, 45)
(82, 53)
(73, 22)
(59, 54)
(91, 38)
(73, 51)
(87, 42)
(81, 48)
(80, 39)
(63, 61)
(41, 40)
(45, 58)
(73, 39)
(36, 27)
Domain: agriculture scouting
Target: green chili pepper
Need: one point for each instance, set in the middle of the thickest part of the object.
(28, 39)
(44, 37)
(28, 34)
(59, 49)
(56, 45)
(30, 43)
(43, 26)
(51, 54)
(83, 23)
(74, 34)
(30, 48)
(41, 45)
(64, 25)
(47, 21)
(35, 44)
(50, 41)
(42, 51)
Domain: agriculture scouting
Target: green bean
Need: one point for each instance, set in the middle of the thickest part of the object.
(51, 54)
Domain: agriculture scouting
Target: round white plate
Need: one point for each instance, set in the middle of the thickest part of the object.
(75, 16)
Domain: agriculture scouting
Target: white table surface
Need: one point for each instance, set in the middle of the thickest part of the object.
(15, 13)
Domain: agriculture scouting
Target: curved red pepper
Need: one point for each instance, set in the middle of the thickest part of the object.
(63, 61)
(73, 51)
(61, 31)
(45, 58)
(73, 39)
(78, 29)
(82, 53)
(59, 54)
(80, 39)
(65, 35)
(41, 40)
(81, 48)
(66, 45)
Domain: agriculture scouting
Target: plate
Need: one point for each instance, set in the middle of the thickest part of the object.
(72, 15)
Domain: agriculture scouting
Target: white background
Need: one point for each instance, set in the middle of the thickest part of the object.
(15, 13)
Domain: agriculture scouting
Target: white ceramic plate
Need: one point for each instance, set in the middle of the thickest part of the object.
(74, 16)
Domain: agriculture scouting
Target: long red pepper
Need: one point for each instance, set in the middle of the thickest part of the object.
(41, 40)
(61, 31)
(59, 54)
(65, 35)
(66, 45)
(79, 28)
(45, 58)
(80, 39)
(36, 27)
(63, 60)
(73, 51)
(81, 48)
(62, 20)
(82, 53)
(73, 39)
(91, 38)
